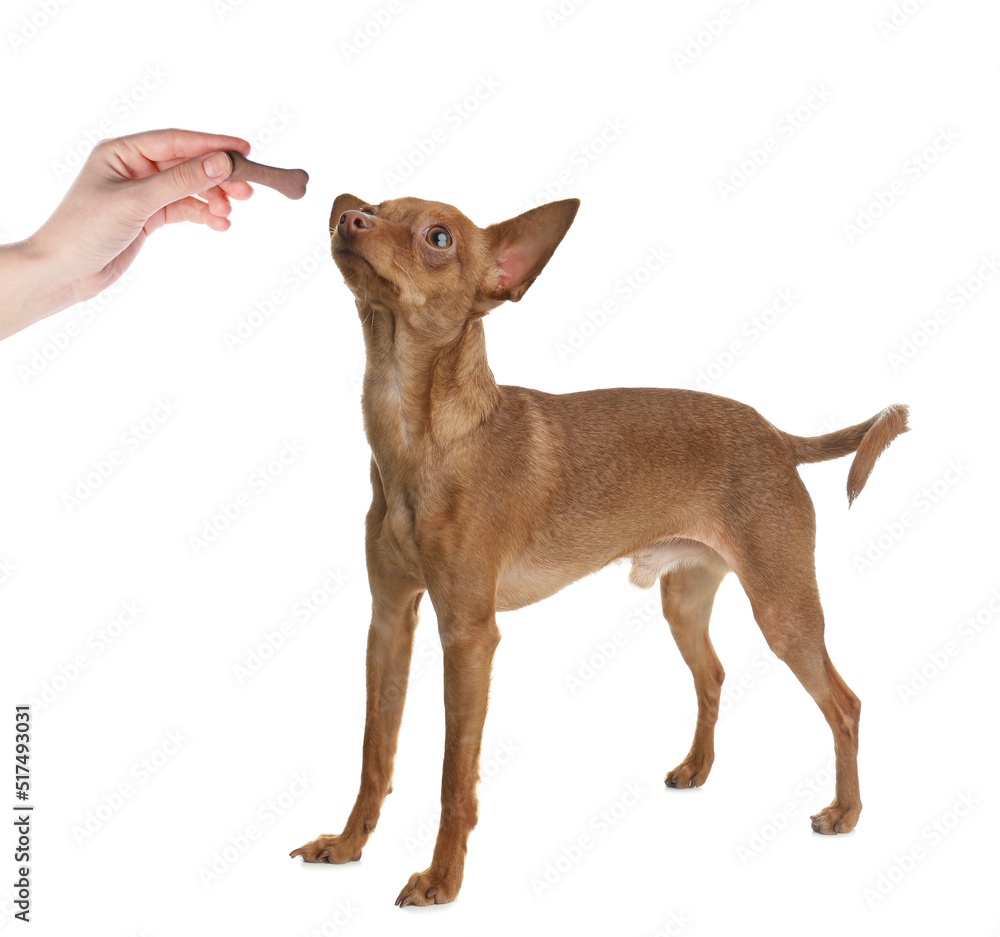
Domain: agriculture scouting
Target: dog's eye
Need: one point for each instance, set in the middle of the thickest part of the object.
(367, 211)
(439, 237)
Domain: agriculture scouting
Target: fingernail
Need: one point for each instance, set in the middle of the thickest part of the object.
(216, 165)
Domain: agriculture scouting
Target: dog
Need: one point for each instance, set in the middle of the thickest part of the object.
(490, 498)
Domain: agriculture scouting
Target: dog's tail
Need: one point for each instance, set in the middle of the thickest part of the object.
(869, 439)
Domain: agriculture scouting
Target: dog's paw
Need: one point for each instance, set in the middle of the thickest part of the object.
(328, 848)
(836, 819)
(689, 773)
(429, 887)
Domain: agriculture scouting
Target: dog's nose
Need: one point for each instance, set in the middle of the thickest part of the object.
(351, 222)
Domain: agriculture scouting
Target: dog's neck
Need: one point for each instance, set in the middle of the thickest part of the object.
(416, 392)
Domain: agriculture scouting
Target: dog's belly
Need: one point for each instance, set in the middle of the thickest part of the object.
(654, 560)
(529, 580)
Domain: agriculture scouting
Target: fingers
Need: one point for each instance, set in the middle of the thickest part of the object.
(162, 168)
(138, 167)
(232, 188)
(219, 196)
(169, 165)
(192, 209)
(162, 145)
(191, 177)
(238, 190)
(186, 209)
(218, 202)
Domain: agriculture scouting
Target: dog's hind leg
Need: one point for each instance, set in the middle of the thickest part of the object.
(688, 594)
(776, 568)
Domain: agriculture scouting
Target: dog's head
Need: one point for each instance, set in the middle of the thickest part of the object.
(430, 265)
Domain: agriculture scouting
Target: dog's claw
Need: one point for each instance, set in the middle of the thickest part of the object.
(835, 819)
(419, 890)
(332, 849)
(688, 773)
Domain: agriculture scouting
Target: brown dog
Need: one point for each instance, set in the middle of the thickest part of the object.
(490, 498)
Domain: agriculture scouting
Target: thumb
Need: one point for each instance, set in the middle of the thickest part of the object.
(187, 178)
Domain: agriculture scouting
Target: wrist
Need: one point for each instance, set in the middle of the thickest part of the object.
(33, 287)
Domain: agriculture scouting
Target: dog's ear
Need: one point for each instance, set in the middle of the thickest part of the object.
(521, 247)
(344, 203)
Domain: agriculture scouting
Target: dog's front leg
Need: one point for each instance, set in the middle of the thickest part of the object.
(469, 636)
(390, 646)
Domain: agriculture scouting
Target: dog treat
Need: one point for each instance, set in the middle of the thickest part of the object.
(289, 182)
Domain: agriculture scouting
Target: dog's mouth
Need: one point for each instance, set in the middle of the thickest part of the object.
(359, 264)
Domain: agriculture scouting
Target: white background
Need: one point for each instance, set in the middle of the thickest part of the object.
(284, 76)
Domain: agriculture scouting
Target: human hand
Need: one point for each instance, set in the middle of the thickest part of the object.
(128, 188)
